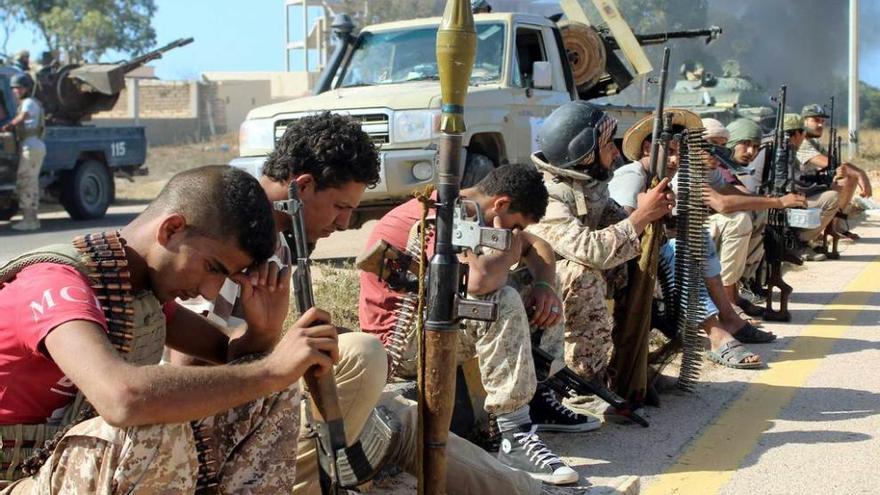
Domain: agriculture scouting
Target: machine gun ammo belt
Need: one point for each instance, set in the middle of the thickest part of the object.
(690, 256)
(135, 328)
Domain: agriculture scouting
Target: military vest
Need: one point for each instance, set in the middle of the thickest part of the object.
(135, 326)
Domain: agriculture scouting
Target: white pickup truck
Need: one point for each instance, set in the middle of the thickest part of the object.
(388, 81)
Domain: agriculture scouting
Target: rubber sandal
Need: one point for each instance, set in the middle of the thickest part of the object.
(746, 318)
(731, 354)
(749, 334)
(749, 309)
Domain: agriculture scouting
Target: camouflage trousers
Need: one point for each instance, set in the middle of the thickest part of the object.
(254, 445)
(503, 349)
(27, 181)
(587, 320)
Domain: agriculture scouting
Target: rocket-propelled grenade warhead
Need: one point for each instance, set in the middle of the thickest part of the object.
(456, 50)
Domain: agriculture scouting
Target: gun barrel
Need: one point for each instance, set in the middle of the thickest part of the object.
(658, 120)
(711, 33)
(155, 54)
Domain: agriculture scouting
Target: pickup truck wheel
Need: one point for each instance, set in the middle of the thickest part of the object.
(87, 191)
(8, 209)
(476, 166)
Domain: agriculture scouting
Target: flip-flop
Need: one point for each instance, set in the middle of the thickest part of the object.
(732, 354)
(749, 334)
(749, 308)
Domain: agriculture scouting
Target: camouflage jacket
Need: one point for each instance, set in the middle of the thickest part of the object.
(583, 224)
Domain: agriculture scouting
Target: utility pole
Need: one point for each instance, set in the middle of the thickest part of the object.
(853, 78)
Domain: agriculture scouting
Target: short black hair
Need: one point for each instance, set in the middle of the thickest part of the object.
(330, 147)
(221, 202)
(524, 184)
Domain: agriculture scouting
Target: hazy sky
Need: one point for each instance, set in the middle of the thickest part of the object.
(234, 35)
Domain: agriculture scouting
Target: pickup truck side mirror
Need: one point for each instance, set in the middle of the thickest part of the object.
(542, 75)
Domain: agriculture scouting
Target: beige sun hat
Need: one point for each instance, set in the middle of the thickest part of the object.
(636, 135)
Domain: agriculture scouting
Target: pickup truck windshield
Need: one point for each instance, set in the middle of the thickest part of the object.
(390, 57)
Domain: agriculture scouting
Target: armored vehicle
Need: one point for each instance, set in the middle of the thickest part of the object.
(726, 98)
(81, 159)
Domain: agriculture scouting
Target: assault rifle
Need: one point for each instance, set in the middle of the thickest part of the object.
(566, 383)
(827, 174)
(341, 466)
(779, 239)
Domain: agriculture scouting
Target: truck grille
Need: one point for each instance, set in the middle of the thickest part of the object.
(374, 124)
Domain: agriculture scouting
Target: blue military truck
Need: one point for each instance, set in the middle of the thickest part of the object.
(81, 160)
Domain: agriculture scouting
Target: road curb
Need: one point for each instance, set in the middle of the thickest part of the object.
(629, 485)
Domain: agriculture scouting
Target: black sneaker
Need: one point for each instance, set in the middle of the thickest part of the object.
(524, 451)
(548, 414)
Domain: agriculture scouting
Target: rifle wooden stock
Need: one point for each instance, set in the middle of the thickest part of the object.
(630, 357)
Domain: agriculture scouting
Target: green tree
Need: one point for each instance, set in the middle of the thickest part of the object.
(869, 105)
(86, 29)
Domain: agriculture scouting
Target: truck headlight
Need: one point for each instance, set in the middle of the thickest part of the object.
(415, 125)
(256, 136)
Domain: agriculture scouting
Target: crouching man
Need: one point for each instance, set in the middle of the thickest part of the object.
(510, 197)
(89, 319)
(592, 236)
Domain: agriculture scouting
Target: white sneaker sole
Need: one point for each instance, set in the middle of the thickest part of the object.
(554, 479)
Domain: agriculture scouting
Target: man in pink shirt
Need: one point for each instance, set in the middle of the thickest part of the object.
(91, 318)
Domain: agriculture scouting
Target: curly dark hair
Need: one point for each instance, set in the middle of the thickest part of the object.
(524, 184)
(220, 202)
(332, 148)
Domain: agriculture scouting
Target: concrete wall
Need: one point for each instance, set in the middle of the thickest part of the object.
(283, 85)
(185, 111)
(232, 100)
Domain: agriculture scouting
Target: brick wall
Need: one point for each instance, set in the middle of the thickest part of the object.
(158, 99)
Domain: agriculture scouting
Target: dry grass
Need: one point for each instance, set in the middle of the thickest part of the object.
(165, 161)
(869, 148)
(336, 290)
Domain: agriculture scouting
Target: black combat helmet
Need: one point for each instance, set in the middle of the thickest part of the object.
(21, 81)
(570, 134)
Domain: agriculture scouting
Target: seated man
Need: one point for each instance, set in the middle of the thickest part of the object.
(813, 156)
(737, 226)
(88, 318)
(511, 197)
(828, 201)
(592, 236)
(631, 180)
(331, 181)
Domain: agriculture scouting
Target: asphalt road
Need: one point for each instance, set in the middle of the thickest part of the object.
(808, 423)
(57, 227)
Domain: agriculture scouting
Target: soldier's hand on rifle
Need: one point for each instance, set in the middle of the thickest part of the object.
(793, 200)
(653, 205)
(543, 306)
(265, 298)
(311, 341)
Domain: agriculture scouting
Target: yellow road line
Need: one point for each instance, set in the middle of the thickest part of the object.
(713, 458)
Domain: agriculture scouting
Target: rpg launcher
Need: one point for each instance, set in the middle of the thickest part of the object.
(341, 466)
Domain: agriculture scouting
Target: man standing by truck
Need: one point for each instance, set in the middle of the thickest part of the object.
(29, 124)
